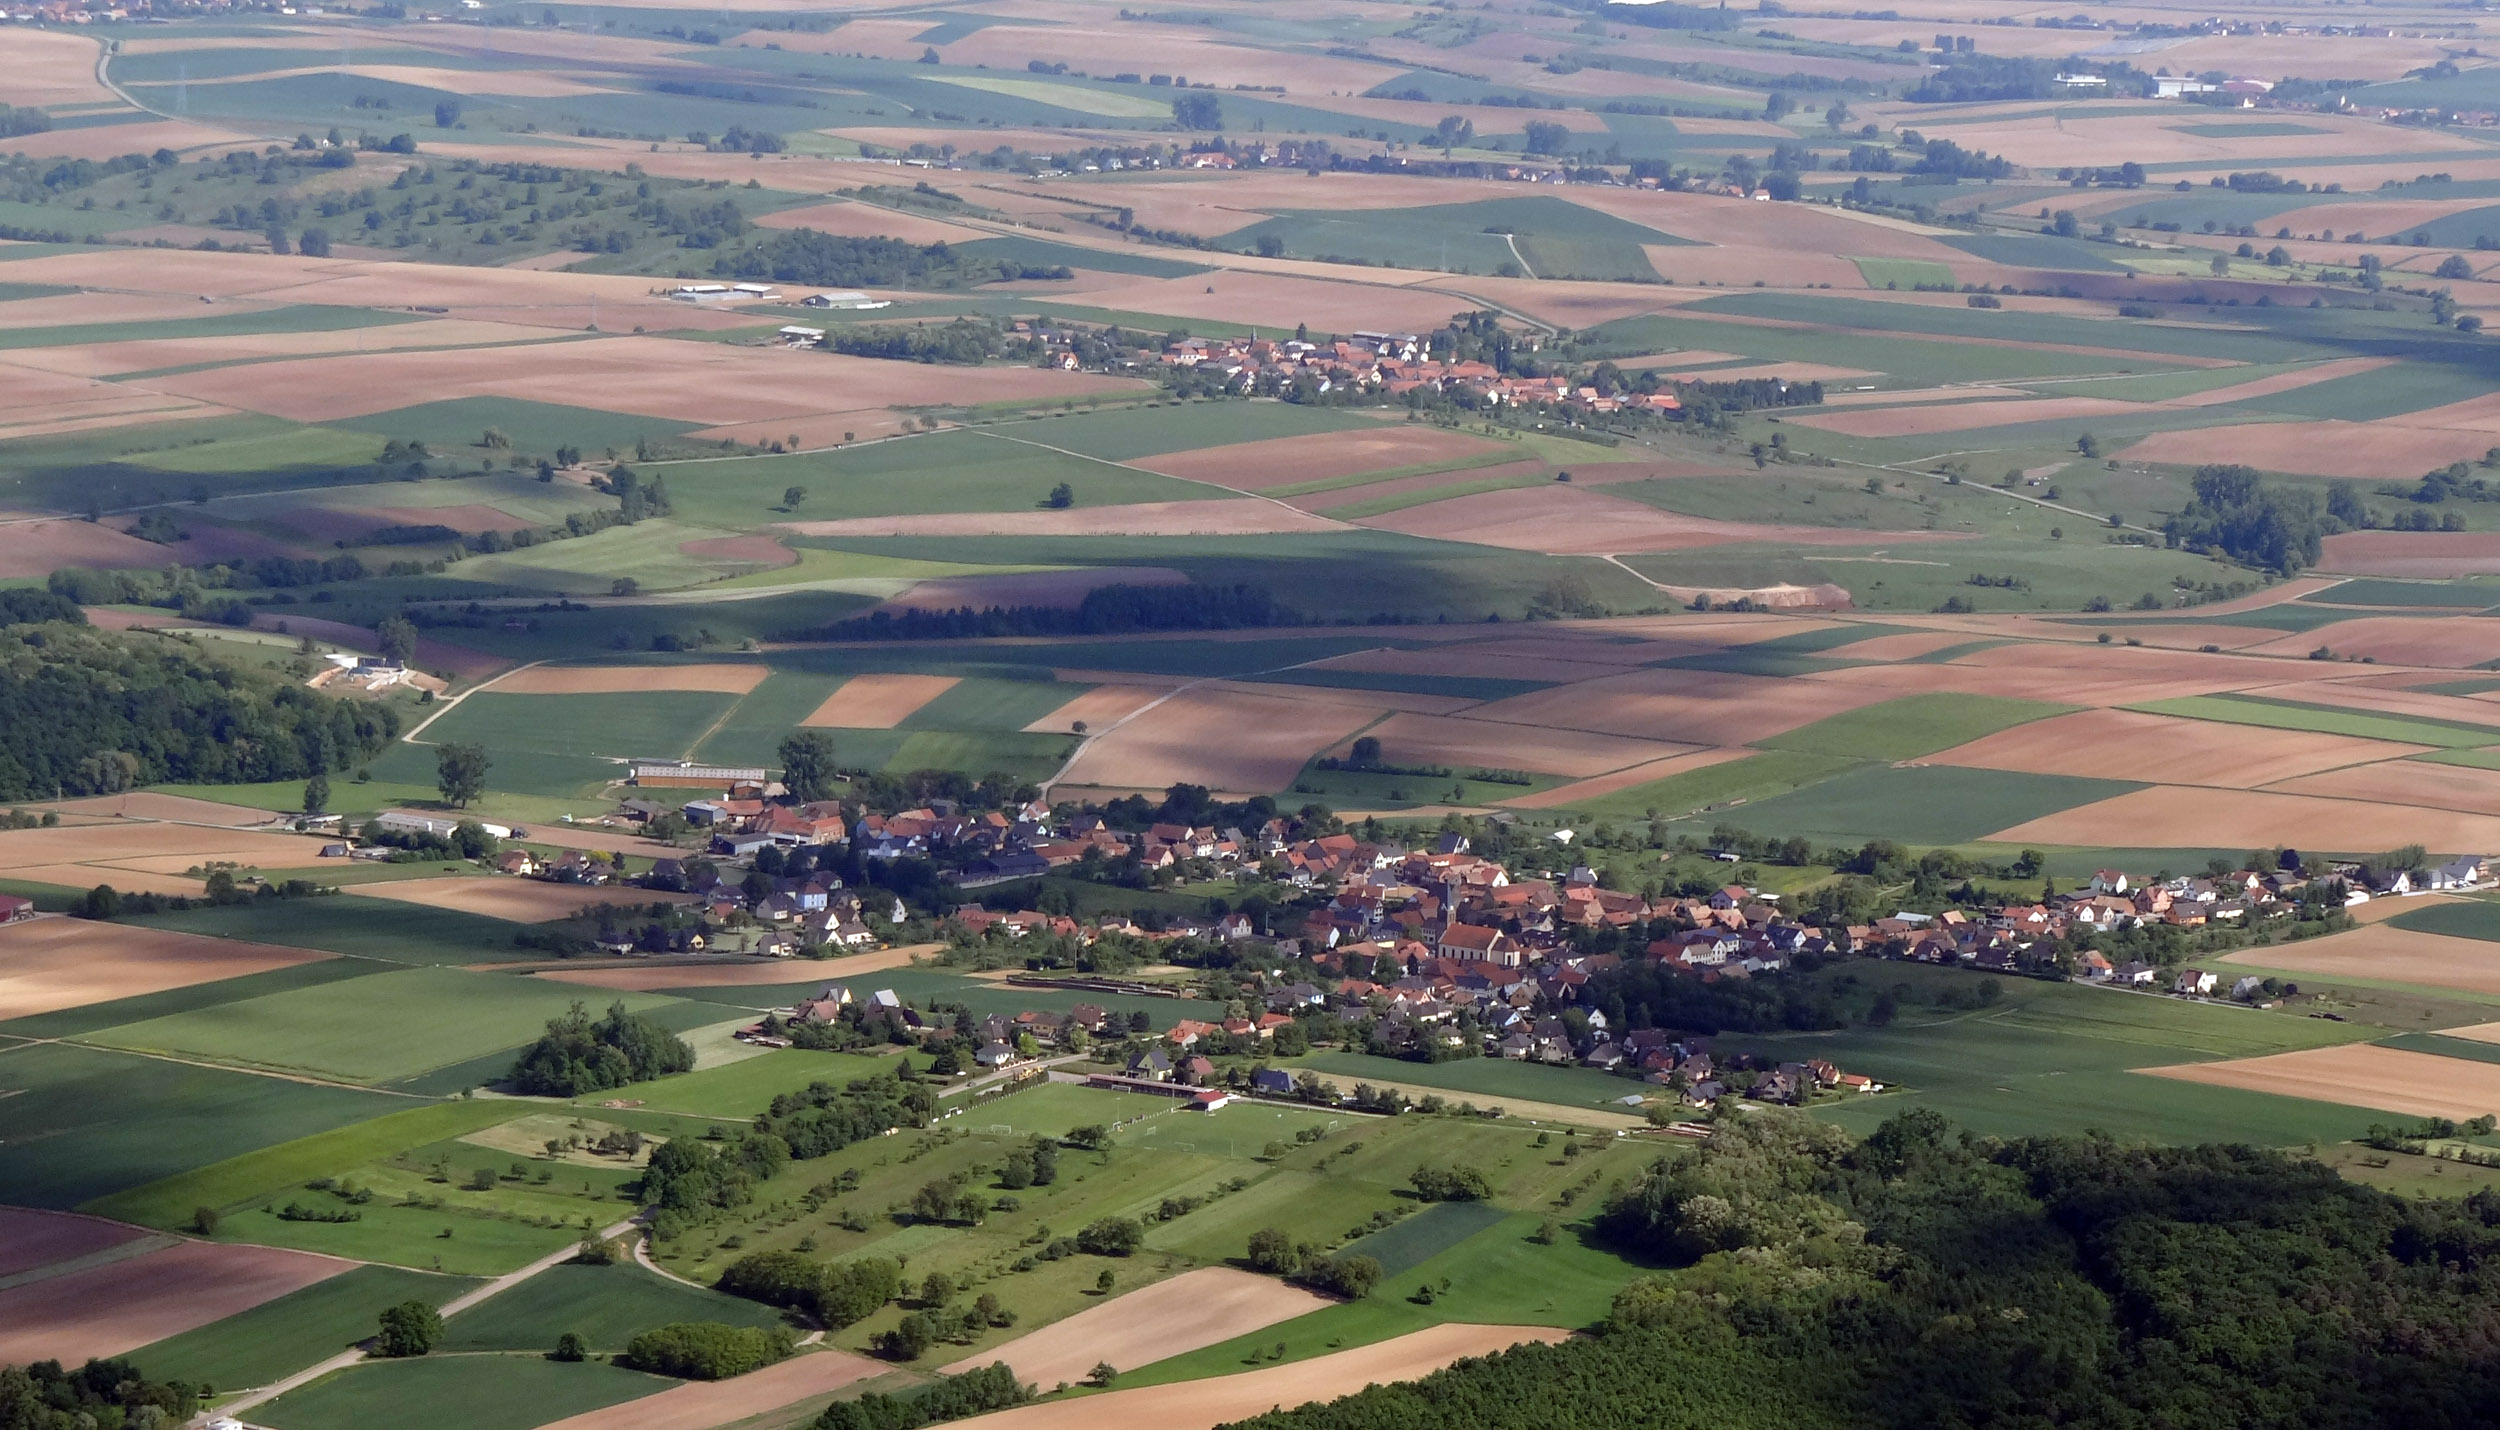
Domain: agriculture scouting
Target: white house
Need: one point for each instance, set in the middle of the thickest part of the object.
(2462, 872)
(848, 298)
(2196, 981)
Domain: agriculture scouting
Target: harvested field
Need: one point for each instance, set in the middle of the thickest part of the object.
(37, 548)
(1563, 520)
(49, 67)
(2321, 449)
(1360, 699)
(2477, 1033)
(1235, 516)
(2170, 816)
(173, 808)
(1689, 707)
(2387, 955)
(1194, 1309)
(109, 141)
(126, 1304)
(1283, 461)
(1409, 739)
(31, 1239)
(2167, 750)
(700, 1405)
(1098, 708)
(761, 550)
(1204, 1404)
(110, 843)
(468, 518)
(649, 376)
(522, 901)
(876, 702)
(50, 964)
(154, 354)
(1564, 796)
(2073, 675)
(2431, 786)
(850, 220)
(1926, 418)
(126, 881)
(2436, 554)
(644, 977)
(1064, 589)
(723, 678)
(2399, 640)
(2360, 1075)
(1898, 647)
(1229, 740)
(2298, 377)
(1242, 296)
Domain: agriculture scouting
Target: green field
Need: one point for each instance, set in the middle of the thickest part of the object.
(391, 1026)
(1554, 238)
(473, 1392)
(743, 1088)
(1912, 726)
(515, 729)
(1425, 1235)
(1735, 781)
(277, 1338)
(2475, 918)
(95, 1017)
(1903, 273)
(83, 1123)
(606, 1306)
(366, 928)
(2282, 715)
(1922, 804)
(1486, 1080)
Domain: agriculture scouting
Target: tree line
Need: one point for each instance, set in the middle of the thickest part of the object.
(1105, 610)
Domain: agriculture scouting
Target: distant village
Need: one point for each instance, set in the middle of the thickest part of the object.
(1427, 954)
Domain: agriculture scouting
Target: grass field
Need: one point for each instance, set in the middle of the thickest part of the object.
(606, 1306)
(278, 1338)
(515, 728)
(83, 1123)
(1925, 804)
(1484, 1080)
(2279, 715)
(743, 1088)
(396, 1127)
(395, 1025)
(474, 1392)
(95, 1017)
(1912, 726)
(2473, 918)
(365, 928)
(1752, 777)
(1903, 273)
(1425, 1235)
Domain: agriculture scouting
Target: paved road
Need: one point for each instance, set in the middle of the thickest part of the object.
(451, 1308)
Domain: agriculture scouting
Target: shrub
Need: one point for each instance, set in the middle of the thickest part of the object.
(705, 1350)
(1111, 1236)
(1451, 1184)
(569, 1348)
(975, 1392)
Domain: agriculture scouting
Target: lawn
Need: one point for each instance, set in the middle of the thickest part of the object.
(471, 1392)
(2281, 715)
(277, 1338)
(392, 1026)
(396, 1126)
(1485, 1080)
(1912, 726)
(1925, 804)
(607, 1306)
(82, 1123)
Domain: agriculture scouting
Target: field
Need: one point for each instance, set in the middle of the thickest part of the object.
(277, 1338)
(700, 1405)
(2387, 1079)
(56, 964)
(607, 1306)
(1195, 1309)
(517, 900)
(121, 1305)
(488, 1392)
(2399, 952)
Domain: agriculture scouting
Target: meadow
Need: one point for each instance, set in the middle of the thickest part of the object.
(607, 1306)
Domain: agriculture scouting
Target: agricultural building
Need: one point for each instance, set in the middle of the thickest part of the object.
(677, 774)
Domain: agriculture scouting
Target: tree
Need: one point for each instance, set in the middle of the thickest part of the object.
(395, 637)
(408, 1329)
(1111, 1236)
(446, 113)
(2088, 445)
(791, 497)
(313, 243)
(807, 769)
(1365, 752)
(1543, 136)
(1271, 1250)
(1062, 497)
(576, 1056)
(1198, 111)
(569, 1347)
(317, 793)
(460, 772)
(1452, 131)
(1103, 1373)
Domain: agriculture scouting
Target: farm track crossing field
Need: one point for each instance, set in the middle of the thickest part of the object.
(658, 723)
(279, 1337)
(435, 1017)
(476, 1392)
(606, 1305)
(104, 1310)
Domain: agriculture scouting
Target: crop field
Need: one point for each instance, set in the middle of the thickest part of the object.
(2238, 710)
(360, 927)
(1912, 726)
(606, 1306)
(484, 1392)
(277, 1338)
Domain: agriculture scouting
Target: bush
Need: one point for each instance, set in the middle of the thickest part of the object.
(1351, 1277)
(975, 1392)
(705, 1350)
(569, 1347)
(1451, 1184)
(839, 1294)
(1111, 1236)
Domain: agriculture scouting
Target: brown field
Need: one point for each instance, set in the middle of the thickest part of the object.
(50, 964)
(2456, 787)
(627, 679)
(700, 1405)
(2390, 955)
(1408, 739)
(522, 901)
(850, 220)
(140, 804)
(1065, 589)
(2180, 817)
(652, 377)
(877, 702)
(1563, 520)
(1368, 700)
(1099, 707)
(112, 843)
(37, 548)
(2073, 675)
(1226, 516)
(109, 141)
(2479, 1033)
(1923, 419)
(1185, 1313)
(49, 67)
(123, 1305)
(2438, 554)
(1471, 658)
(2360, 1075)
(2167, 750)
(2398, 640)
(1690, 707)
(1282, 461)
(1229, 740)
(1898, 647)
(1563, 796)
(1204, 1404)
(153, 354)
(2300, 377)
(746, 973)
(2323, 449)
(31, 1239)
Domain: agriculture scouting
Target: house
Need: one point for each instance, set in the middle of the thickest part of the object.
(1196, 1072)
(14, 908)
(995, 1055)
(1275, 1082)
(2462, 872)
(2110, 881)
(517, 861)
(1212, 1100)
(1151, 1065)
(2196, 982)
